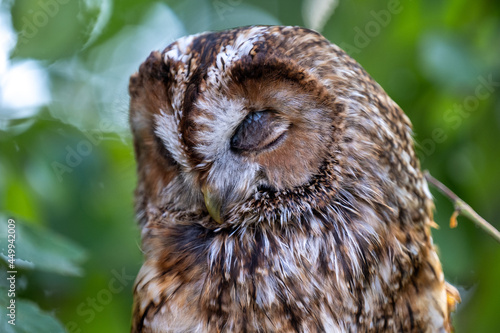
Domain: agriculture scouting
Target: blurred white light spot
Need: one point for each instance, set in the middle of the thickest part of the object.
(24, 85)
(316, 12)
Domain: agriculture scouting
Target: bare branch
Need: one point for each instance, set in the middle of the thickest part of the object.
(462, 208)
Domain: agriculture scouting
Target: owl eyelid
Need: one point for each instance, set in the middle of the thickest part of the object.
(260, 130)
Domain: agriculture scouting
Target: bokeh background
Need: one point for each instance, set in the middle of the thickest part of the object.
(67, 170)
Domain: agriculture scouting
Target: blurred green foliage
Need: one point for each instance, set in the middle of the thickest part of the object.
(35, 249)
(67, 172)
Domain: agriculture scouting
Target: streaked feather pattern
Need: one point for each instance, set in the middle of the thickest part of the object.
(319, 223)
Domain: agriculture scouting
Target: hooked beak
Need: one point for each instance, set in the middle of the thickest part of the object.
(212, 202)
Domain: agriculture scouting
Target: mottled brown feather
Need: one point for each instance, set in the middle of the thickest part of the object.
(325, 230)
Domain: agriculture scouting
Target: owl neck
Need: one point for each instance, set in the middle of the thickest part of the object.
(327, 256)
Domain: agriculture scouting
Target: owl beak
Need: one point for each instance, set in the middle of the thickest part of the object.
(213, 203)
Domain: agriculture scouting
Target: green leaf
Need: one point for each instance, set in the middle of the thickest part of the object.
(29, 317)
(41, 249)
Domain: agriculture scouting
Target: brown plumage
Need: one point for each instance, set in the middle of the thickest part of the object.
(278, 191)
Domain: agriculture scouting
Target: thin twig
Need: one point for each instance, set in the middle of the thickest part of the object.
(462, 208)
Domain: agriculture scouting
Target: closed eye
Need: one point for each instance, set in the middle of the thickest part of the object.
(260, 130)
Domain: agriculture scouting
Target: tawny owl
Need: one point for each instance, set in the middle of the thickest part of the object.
(278, 191)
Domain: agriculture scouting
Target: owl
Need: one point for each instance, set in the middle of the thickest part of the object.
(278, 191)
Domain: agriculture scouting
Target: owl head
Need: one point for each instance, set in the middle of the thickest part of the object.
(264, 124)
